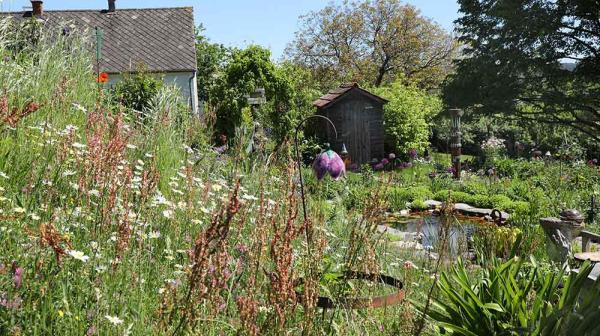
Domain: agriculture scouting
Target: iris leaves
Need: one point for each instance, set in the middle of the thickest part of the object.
(516, 298)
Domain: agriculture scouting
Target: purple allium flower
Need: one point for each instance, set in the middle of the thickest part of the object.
(408, 164)
(329, 162)
(412, 153)
(378, 166)
(450, 170)
(385, 161)
(392, 156)
(18, 277)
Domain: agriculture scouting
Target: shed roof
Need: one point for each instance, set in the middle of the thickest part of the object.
(334, 95)
(163, 39)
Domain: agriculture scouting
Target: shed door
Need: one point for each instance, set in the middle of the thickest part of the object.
(363, 139)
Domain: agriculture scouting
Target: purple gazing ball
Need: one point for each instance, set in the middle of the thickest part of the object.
(329, 162)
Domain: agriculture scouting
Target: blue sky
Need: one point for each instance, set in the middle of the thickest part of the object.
(270, 23)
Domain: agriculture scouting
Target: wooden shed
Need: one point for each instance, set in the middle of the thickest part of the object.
(358, 116)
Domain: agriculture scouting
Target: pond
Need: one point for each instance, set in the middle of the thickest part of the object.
(428, 231)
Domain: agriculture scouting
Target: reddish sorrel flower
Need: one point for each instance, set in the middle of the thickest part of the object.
(102, 78)
(18, 277)
(329, 162)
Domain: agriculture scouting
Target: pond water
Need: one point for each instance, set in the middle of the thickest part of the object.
(428, 231)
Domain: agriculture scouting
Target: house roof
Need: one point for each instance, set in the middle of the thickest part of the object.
(336, 94)
(163, 39)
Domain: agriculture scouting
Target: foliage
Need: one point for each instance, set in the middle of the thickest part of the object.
(399, 197)
(407, 116)
(515, 61)
(136, 90)
(492, 241)
(244, 72)
(211, 58)
(514, 298)
(374, 42)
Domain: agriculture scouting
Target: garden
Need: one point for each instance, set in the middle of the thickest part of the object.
(123, 213)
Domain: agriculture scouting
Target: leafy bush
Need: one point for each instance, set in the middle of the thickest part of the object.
(398, 197)
(496, 241)
(473, 186)
(418, 205)
(137, 90)
(500, 201)
(407, 116)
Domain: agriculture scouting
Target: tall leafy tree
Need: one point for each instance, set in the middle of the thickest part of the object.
(536, 60)
(211, 58)
(374, 42)
(245, 71)
(408, 116)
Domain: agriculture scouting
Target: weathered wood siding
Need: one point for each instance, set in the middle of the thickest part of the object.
(359, 122)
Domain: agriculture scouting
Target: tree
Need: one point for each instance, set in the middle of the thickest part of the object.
(407, 116)
(246, 70)
(531, 60)
(211, 58)
(375, 42)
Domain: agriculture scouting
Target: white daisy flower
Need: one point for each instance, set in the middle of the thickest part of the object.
(78, 255)
(114, 320)
(167, 213)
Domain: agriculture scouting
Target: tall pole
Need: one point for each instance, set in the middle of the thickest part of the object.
(455, 143)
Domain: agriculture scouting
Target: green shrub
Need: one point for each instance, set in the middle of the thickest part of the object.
(442, 195)
(418, 205)
(474, 187)
(480, 201)
(500, 201)
(398, 197)
(136, 91)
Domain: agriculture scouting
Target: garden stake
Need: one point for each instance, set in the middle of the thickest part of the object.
(299, 161)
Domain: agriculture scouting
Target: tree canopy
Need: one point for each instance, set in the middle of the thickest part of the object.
(407, 116)
(374, 42)
(530, 60)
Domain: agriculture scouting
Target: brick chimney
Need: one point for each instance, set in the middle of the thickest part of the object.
(37, 7)
(111, 6)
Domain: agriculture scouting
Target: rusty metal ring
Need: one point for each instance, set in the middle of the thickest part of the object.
(361, 302)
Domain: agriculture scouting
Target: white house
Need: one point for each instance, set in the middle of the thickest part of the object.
(162, 40)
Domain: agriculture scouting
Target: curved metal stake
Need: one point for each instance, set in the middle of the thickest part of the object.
(299, 160)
